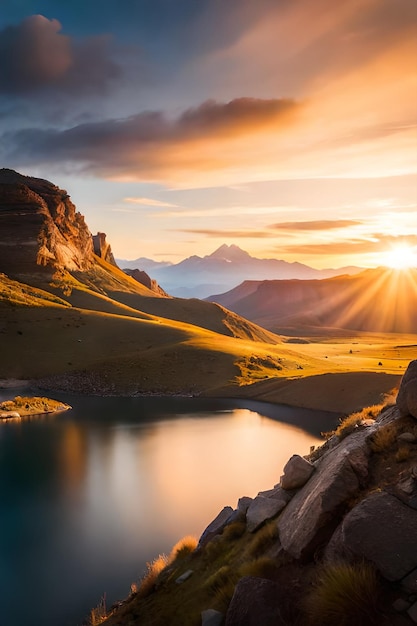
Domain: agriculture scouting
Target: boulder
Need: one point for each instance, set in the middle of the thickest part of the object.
(297, 472)
(277, 493)
(410, 582)
(216, 526)
(312, 515)
(262, 509)
(256, 602)
(210, 617)
(380, 529)
(407, 395)
(243, 503)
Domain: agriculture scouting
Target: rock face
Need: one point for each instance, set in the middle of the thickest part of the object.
(297, 471)
(103, 249)
(407, 395)
(255, 602)
(390, 543)
(39, 226)
(143, 278)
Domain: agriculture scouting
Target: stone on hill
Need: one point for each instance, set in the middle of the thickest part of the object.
(311, 516)
(256, 602)
(380, 529)
(216, 526)
(262, 509)
(297, 471)
(244, 503)
(407, 395)
(210, 617)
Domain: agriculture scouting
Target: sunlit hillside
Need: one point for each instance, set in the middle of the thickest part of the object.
(379, 300)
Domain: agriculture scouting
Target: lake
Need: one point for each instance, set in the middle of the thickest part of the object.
(89, 495)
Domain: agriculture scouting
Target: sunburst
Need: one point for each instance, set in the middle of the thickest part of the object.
(401, 257)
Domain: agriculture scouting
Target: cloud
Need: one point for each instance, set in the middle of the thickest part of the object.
(150, 202)
(149, 145)
(377, 243)
(230, 234)
(315, 225)
(37, 56)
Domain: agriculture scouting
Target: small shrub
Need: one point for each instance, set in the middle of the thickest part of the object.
(263, 567)
(343, 595)
(351, 422)
(183, 547)
(219, 579)
(384, 438)
(99, 613)
(263, 539)
(154, 568)
(234, 531)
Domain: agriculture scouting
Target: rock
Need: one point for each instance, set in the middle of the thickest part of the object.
(256, 602)
(243, 503)
(144, 279)
(407, 395)
(277, 493)
(210, 617)
(262, 509)
(312, 515)
(297, 471)
(184, 577)
(412, 612)
(103, 249)
(410, 582)
(400, 605)
(216, 526)
(383, 530)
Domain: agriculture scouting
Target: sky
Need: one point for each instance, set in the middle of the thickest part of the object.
(286, 127)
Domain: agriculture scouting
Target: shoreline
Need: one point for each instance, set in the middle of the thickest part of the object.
(339, 393)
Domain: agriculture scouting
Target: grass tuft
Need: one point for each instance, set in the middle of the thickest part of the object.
(234, 531)
(183, 547)
(99, 613)
(263, 539)
(384, 438)
(343, 595)
(263, 567)
(349, 424)
(154, 568)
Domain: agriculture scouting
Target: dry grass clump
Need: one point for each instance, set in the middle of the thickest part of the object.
(351, 422)
(234, 531)
(154, 568)
(99, 613)
(384, 438)
(183, 547)
(263, 567)
(343, 595)
(403, 454)
(263, 539)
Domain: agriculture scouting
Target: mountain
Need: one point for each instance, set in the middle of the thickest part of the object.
(378, 300)
(71, 317)
(142, 263)
(225, 268)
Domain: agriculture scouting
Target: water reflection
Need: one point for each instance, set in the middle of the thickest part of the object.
(90, 495)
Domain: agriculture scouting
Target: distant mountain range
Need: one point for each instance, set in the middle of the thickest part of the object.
(377, 300)
(225, 268)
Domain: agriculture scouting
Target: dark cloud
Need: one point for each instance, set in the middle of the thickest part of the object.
(315, 225)
(376, 243)
(148, 142)
(36, 56)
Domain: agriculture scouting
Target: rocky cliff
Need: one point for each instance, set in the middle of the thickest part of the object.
(334, 542)
(144, 279)
(40, 227)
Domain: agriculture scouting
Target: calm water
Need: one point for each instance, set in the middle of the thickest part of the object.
(88, 496)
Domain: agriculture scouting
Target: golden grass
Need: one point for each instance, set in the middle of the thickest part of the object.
(343, 595)
(349, 424)
(263, 539)
(35, 405)
(183, 547)
(99, 613)
(262, 567)
(154, 568)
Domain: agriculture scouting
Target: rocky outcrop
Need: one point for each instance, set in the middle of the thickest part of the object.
(40, 228)
(103, 249)
(144, 279)
(256, 602)
(407, 395)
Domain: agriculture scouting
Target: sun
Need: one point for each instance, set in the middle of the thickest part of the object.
(401, 257)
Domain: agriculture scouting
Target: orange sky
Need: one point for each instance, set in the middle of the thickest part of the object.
(287, 128)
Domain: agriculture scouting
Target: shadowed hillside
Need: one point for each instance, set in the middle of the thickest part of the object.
(379, 300)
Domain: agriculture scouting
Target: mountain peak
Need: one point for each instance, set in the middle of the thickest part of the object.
(229, 253)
